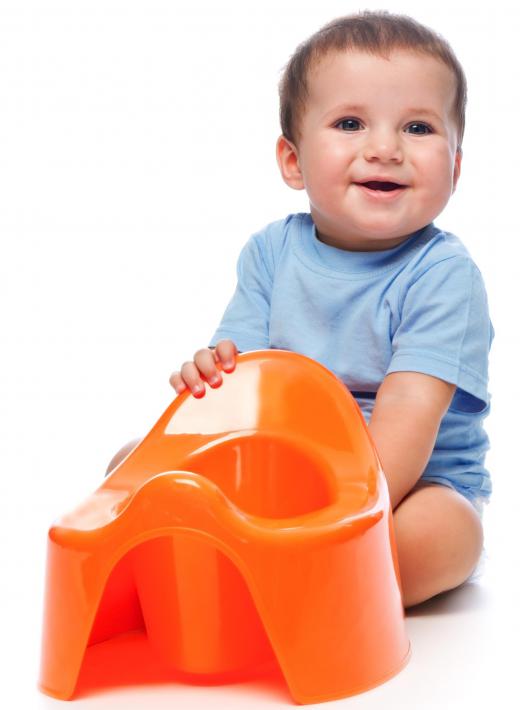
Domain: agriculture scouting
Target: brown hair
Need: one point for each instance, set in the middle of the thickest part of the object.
(377, 32)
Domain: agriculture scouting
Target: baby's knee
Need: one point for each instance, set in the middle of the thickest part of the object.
(439, 541)
(121, 454)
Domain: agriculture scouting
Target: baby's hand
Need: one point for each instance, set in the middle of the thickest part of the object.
(193, 374)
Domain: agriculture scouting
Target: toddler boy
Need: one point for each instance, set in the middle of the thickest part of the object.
(372, 115)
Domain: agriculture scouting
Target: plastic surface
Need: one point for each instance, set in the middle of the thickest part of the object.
(250, 525)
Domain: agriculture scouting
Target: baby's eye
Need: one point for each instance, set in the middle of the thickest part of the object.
(423, 128)
(349, 123)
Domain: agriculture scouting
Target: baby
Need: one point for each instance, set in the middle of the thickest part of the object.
(372, 116)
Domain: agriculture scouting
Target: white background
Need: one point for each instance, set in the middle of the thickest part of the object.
(137, 154)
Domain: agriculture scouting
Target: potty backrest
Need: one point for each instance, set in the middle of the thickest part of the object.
(280, 436)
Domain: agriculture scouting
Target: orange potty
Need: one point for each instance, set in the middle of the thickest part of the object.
(251, 524)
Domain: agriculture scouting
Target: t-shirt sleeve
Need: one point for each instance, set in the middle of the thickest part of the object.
(445, 331)
(246, 318)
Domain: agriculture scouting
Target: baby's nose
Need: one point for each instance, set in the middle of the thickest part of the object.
(384, 146)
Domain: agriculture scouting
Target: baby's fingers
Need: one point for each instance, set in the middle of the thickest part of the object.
(189, 376)
(226, 352)
(205, 359)
(177, 382)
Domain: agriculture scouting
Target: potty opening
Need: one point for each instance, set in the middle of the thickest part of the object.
(264, 475)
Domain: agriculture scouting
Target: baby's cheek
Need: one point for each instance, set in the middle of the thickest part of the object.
(438, 169)
(437, 193)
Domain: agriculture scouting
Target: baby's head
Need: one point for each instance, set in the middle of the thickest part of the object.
(372, 98)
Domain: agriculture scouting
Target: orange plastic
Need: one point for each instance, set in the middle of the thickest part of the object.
(249, 525)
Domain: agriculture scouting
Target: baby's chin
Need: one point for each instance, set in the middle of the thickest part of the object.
(377, 235)
(353, 242)
(367, 230)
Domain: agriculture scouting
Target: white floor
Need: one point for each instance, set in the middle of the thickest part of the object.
(464, 642)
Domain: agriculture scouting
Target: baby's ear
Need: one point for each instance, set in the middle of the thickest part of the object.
(287, 158)
(456, 169)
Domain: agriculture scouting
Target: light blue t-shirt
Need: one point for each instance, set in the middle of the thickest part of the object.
(421, 306)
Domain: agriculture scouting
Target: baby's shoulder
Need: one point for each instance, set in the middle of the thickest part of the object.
(271, 239)
(280, 229)
(440, 252)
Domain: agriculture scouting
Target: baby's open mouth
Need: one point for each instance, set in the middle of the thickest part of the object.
(385, 186)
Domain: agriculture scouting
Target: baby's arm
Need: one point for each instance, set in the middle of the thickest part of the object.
(405, 421)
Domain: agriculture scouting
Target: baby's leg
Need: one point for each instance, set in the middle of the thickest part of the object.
(439, 538)
(117, 458)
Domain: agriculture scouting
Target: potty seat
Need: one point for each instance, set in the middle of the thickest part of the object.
(252, 525)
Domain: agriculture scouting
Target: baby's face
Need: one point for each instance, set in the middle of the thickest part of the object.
(373, 119)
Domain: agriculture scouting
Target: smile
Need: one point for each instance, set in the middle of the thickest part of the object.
(381, 192)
